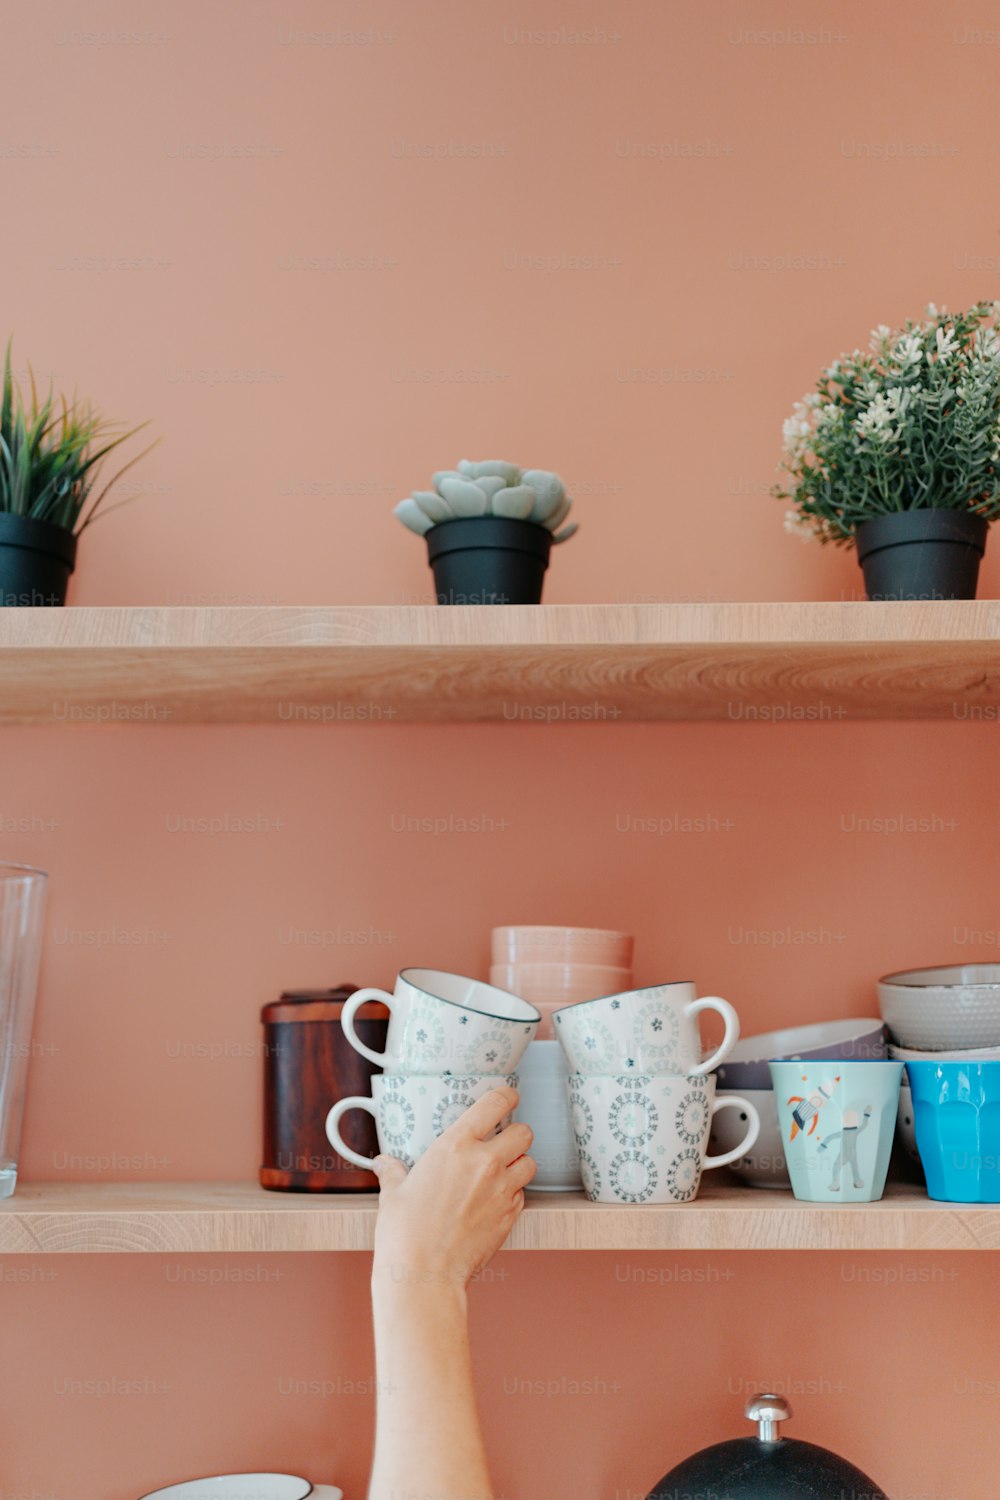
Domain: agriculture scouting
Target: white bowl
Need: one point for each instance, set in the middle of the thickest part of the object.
(764, 1166)
(945, 1009)
(245, 1487)
(544, 1105)
(859, 1039)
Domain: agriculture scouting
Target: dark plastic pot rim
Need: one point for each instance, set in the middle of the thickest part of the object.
(38, 536)
(903, 528)
(472, 533)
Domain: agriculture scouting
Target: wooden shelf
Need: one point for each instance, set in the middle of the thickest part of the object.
(181, 1218)
(548, 663)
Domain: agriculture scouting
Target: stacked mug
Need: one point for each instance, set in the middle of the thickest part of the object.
(641, 1096)
(554, 967)
(449, 1040)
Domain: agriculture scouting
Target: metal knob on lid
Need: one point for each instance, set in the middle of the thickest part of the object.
(767, 1411)
(766, 1466)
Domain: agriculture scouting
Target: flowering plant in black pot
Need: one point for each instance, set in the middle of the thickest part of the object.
(50, 460)
(490, 527)
(897, 452)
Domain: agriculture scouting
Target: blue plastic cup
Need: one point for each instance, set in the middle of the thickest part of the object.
(837, 1122)
(956, 1114)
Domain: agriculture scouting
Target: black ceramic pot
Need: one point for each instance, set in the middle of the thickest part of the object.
(36, 559)
(921, 554)
(489, 560)
(767, 1467)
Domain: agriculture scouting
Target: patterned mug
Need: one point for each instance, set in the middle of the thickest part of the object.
(642, 1139)
(651, 1031)
(445, 1023)
(412, 1111)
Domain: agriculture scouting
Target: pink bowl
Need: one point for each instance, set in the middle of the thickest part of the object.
(560, 983)
(562, 945)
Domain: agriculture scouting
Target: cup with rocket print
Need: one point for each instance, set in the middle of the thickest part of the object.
(837, 1122)
(445, 1023)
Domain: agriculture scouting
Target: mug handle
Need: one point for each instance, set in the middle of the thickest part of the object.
(353, 1101)
(347, 1021)
(734, 1101)
(732, 1036)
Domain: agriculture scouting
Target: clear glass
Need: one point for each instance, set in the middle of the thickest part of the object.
(22, 906)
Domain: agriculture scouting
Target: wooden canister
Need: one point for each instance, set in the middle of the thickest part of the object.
(308, 1065)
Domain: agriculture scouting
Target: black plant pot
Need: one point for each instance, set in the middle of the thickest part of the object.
(922, 554)
(489, 560)
(36, 559)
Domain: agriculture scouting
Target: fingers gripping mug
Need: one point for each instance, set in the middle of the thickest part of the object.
(445, 1023)
(411, 1111)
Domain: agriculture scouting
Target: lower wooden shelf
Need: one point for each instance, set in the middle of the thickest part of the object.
(87, 1218)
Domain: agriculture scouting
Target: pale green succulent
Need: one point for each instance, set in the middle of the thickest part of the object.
(492, 487)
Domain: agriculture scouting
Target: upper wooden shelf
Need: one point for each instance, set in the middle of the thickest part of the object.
(182, 1218)
(602, 663)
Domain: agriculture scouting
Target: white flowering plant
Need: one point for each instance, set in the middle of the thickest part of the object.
(913, 422)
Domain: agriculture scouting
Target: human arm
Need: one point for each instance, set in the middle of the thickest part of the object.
(438, 1225)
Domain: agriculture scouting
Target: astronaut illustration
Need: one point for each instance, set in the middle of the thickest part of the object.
(807, 1110)
(852, 1127)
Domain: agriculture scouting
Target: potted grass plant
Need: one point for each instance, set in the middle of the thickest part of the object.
(897, 452)
(490, 527)
(51, 455)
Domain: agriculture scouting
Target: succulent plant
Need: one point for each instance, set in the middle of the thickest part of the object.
(492, 487)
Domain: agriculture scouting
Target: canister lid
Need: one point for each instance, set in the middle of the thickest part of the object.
(298, 997)
(320, 1005)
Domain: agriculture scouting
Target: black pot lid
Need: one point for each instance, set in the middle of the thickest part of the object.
(767, 1465)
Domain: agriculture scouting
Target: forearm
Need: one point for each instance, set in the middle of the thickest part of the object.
(428, 1440)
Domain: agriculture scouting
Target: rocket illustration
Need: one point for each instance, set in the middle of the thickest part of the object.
(807, 1110)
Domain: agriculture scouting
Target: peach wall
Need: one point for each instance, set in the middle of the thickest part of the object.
(137, 257)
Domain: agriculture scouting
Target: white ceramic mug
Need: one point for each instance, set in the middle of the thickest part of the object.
(445, 1023)
(642, 1139)
(650, 1031)
(412, 1110)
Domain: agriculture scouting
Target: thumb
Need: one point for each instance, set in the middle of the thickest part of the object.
(389, 1170)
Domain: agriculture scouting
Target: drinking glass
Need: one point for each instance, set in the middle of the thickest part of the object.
(22, 904)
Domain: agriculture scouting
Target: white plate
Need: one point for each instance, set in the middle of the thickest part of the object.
(237, 1487)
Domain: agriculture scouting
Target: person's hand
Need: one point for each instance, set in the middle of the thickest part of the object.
(445, 1219)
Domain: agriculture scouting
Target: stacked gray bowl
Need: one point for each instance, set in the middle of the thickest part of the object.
(746, 1072)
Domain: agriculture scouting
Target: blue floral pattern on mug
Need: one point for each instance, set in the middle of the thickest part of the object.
(633, 1117)
(692, 1116)
(581, 1118)
(424, 1036)
(657, 1036)
(448, 1109)
(684, 1174)
(596, 1042)
(397, 1119)
(632, 1176)
(591, 1174)
(490, 1053)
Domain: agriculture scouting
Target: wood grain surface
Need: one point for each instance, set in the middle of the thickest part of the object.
(175, 1218)
(544, 663)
